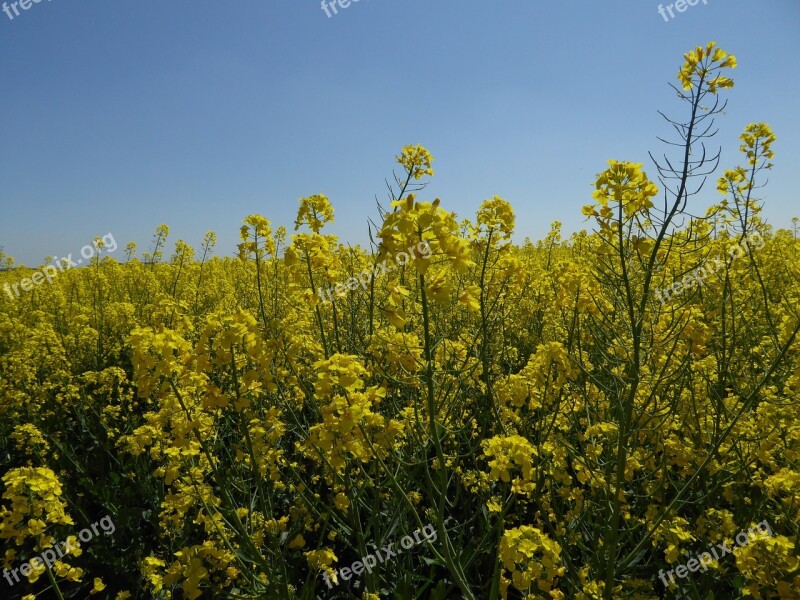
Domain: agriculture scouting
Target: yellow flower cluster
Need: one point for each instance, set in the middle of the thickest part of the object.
(702, 68)
(416, 160)
(532, 561)
(623, 184)
(350, 428)
(511, 455)
(32, 502)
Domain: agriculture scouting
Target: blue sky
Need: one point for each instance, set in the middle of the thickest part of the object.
(119, 116)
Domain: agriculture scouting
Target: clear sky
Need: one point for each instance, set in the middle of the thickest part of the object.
(119, 115)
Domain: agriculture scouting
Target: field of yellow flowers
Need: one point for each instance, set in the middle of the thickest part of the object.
(577, 418)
